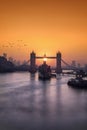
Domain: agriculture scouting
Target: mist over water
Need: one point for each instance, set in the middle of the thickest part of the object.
(28, 103)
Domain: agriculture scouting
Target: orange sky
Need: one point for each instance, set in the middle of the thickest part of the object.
(44, 26)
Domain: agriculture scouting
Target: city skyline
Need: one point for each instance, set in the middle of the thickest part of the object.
(51, 61)
(45, 26)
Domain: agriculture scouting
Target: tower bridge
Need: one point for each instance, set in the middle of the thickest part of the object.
(33, 58)
(58, 69)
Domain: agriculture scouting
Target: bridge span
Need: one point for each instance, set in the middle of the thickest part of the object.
(33, 58)
(58, 69)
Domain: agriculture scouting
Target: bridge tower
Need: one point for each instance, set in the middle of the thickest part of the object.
(32, 67)
(58, 63)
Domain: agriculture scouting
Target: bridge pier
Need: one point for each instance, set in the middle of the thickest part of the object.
(32, 68)
(58, 63)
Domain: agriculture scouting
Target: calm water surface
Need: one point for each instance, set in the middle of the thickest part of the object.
(27, 103)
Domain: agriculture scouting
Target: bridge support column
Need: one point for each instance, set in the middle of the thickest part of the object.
(32, 67)
(58, 63)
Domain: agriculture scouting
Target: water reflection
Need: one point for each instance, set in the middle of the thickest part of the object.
(29, 103)
(32, 76)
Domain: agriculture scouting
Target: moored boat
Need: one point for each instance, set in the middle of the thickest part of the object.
(44, 71)
(78, 82)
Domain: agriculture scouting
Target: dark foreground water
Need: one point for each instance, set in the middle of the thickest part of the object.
(29, 104)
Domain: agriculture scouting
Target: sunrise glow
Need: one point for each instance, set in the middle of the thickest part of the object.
(44, 26)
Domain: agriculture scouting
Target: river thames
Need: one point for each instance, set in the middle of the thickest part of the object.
(27, 103)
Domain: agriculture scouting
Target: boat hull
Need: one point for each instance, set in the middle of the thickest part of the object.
(44, 76)
(77, 83)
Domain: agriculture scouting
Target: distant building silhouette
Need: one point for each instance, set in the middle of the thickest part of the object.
(5, 55)
(85, 67)
(78, 65)
(5, 65)
(73, 63)
(10, 59)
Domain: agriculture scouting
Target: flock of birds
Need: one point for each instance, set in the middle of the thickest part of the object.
(18, 44)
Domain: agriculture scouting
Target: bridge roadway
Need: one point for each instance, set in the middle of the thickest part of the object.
(48, 57)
